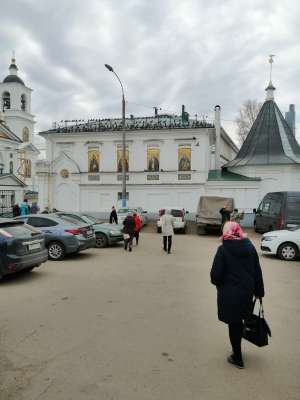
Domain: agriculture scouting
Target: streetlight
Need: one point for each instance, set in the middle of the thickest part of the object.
(123, 138)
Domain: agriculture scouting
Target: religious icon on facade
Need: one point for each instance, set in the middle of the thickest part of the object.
(119, 158)
(184, 158)
(153, 156)
(93, 160)
(25, 134)
(25, 168)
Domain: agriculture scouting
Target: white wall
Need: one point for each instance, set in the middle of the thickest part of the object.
(79, 192)
(275, 178)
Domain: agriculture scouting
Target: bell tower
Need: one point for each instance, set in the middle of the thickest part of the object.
(15, 100)
(15, 103)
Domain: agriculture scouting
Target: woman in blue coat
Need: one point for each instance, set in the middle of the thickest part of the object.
(237, 274)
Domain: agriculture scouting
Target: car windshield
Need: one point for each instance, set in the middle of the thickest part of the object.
(176, 213)
(90, 219)
(124, 210)
(18, 230)
(73, 219)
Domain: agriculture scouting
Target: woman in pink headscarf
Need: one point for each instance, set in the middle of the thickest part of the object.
(236, 273)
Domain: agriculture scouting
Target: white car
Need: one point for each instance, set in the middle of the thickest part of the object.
(285, 243)
(123, 212)
(178, 213)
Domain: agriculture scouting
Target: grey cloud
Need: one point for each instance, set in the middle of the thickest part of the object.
(167, 53)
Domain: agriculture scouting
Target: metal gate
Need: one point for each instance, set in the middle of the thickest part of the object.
(7, 201)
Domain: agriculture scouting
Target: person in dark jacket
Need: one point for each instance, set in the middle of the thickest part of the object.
(225, 214)
(113, 216)
(237, 274)
(16, 210)
(129, 231)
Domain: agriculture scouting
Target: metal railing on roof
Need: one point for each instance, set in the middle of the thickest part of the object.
(143, 123)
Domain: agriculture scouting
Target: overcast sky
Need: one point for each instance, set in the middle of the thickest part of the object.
(167, 53)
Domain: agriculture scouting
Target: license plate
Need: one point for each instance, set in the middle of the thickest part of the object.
(34, 246)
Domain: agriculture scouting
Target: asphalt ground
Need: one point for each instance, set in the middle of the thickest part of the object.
(112, 325)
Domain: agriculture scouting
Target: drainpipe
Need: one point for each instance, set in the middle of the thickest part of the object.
(218, 137)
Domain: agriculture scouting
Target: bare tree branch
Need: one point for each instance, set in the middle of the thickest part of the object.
(246, 117)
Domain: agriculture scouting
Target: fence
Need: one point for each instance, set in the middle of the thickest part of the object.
(7, 200)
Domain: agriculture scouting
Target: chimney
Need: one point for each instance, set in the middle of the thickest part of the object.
(218, 137)
(290, 118)
(184, 115)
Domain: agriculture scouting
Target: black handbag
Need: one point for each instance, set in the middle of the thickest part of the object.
(256, 329)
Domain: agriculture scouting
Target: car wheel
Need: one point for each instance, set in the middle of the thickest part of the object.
(288, 251)
(56, 251)
(101, 240)
(201, 230)
(158, 230)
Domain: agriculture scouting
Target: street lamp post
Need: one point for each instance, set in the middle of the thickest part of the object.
(123, 139)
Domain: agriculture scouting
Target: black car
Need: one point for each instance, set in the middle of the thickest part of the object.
(277, 210)
(21, 247)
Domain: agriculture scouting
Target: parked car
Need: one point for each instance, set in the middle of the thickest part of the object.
(21, 247)
(178, 213)
(284, 243)
(208, 217)
(123, 212)
(106, 234)
(62, 236)
(278, 210)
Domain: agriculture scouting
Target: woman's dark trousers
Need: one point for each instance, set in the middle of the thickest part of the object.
(128, 242)
(168, 243)
(137, 236)
(235, 336)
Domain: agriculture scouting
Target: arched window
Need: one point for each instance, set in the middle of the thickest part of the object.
(23, 102)
(25, 137)
(11, 167)
(5, 101)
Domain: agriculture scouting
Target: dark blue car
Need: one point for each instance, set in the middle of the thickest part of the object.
(21, 247)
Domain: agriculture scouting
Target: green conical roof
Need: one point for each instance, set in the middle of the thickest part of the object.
(270, 140)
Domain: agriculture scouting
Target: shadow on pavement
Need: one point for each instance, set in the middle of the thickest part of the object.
(21, 277)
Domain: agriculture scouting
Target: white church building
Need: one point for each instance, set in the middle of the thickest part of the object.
(168, 159)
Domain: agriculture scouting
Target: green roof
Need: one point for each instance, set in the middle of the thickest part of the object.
(224, 175)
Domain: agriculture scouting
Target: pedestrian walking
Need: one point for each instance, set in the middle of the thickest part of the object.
(16, 210)
(34, 208)
(113, 218)
(128, 231)
(237, 274)
(24, 208)
(167, 230)
(138, 226)
(225, 214)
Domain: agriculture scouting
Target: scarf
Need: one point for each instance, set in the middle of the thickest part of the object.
(232, 231)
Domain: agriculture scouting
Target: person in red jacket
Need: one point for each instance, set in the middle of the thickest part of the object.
(138, 226)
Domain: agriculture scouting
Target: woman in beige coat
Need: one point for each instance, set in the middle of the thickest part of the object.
(167, 230)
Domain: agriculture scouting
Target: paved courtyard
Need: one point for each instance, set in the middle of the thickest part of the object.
(110, 325)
